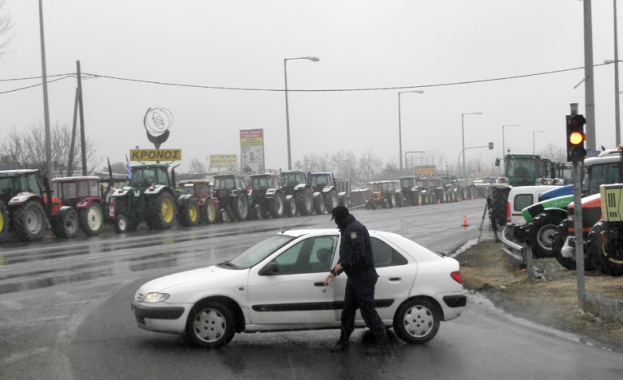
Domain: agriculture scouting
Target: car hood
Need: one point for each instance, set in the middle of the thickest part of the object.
(195, 276)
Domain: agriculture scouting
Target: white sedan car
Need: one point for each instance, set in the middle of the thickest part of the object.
(278, 285)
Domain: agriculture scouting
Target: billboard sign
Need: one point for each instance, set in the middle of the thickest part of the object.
(252, 150)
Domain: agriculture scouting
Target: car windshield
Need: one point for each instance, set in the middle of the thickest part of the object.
(259, 251)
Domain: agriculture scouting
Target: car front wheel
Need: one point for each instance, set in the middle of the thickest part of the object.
(210, 325)
(417, 321)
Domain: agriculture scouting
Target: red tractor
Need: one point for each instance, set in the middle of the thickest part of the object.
(208, 206)
(26, 201)
(83, 194)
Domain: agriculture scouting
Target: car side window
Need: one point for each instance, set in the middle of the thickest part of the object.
(522, 201)
(308, 256)
(384, 255)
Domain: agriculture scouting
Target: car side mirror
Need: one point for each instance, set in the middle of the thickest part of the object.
(270, 269)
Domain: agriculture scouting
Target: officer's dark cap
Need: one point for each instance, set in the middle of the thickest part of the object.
(339, 212)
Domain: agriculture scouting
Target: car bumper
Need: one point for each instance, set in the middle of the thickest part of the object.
(162, 318)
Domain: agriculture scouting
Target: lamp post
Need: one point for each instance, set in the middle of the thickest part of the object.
(504, 126)
(285, 74)
(533, 132)
(463, 134)
(400, 125)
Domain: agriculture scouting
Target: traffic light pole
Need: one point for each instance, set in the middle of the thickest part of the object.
(579, 238)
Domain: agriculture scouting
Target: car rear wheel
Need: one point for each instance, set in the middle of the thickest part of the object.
(210, 325)
(417, 321)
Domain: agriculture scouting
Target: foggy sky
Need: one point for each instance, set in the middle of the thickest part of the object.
(428, 45)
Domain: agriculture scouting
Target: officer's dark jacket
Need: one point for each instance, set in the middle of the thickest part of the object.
(356, 250)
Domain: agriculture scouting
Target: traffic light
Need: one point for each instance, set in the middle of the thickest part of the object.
(490, 146)
(575, 138)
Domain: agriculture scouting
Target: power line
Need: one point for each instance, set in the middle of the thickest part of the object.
(160, 83)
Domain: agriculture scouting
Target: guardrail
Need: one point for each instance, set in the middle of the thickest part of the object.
(521, 253)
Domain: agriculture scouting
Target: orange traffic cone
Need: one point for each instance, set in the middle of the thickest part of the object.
(465, 221)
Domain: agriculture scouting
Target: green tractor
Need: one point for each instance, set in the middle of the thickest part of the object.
(151, 197)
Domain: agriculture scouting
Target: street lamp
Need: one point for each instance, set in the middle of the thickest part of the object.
(533, 132)
(504, 126)
(285, 74)
(463, 134)
(400, 125)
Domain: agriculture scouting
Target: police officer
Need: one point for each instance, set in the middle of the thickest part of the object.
(357, 262)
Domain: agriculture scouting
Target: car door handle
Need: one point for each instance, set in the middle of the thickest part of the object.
(319, 283)
(395, 278)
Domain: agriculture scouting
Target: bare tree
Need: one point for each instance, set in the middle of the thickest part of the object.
(27, 149)
(369, 165)
(5, 28)
(196, 166)
(554, 153)
(346, 164)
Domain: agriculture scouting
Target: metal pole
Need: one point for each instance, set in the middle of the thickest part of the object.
(400, 134)
(463, 139)
(83, 140)
(579, 239)
(46, 109)
(285, 74)
(589, 89)
(617, 112)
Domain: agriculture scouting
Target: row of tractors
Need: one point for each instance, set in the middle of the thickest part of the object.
(29, 203)
(419, 191)
(549, 229)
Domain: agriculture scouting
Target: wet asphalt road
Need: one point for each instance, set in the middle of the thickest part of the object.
(65, 314)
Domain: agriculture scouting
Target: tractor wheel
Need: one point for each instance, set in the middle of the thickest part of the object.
(240, 207)
(258, 212)
(291, 207)
(400, 200)
(391, 202)
(210, 212)
(161, 211)
(91, 219)
(331, 200)
(29, 221)
(499, 199)
(319, 204)
(277, 206)
(121, 223)
(224, 216)
(66, 224)
(189, 213)
(540, 234)
(4, 225)
(607, 258)
(305, 201)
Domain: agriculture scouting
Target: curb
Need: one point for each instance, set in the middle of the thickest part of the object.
(604, 307)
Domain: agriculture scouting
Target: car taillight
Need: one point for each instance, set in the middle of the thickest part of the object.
(456, 276)
(508, 212)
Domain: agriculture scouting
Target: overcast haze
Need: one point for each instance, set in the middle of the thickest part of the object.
(421, 44)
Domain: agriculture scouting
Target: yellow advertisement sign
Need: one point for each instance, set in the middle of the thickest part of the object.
(155, 154)
(251, 137)
(217, 160)
(425, 171)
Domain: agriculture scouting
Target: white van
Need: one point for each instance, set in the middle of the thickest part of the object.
(521, 197)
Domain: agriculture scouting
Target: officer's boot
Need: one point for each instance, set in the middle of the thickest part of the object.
(381, 346)
(343, 344)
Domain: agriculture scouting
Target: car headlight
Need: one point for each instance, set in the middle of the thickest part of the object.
(155, 297)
